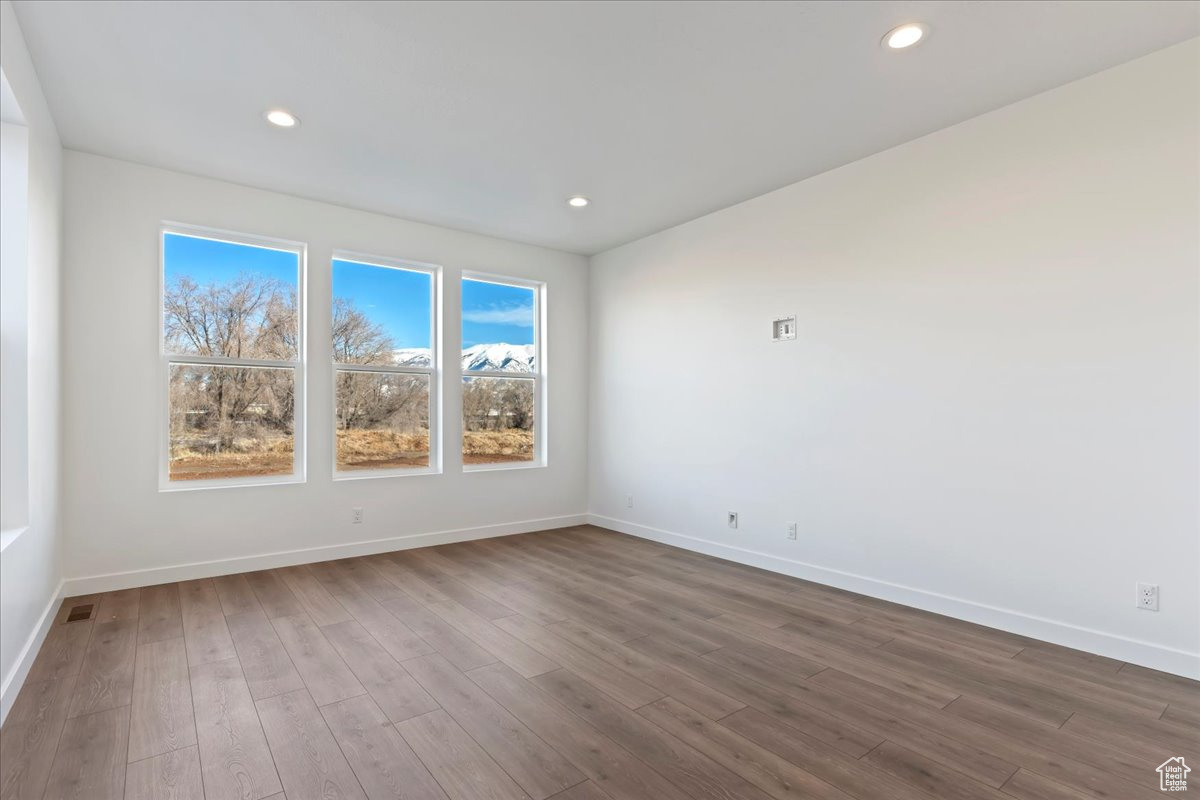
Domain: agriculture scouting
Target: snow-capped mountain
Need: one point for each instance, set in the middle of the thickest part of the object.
(498, 357)
(413, 357)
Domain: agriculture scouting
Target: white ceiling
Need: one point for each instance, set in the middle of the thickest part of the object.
(486, 116)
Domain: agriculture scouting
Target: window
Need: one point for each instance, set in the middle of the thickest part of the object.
(14, 327)
(233, 356)
(385, 367)
(502, 373)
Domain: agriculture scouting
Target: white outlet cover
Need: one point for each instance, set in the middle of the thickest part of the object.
(783, 328)
(1147, 596)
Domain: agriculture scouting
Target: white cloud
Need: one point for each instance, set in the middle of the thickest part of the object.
(512, 315)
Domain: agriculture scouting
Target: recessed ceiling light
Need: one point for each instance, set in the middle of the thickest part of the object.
(578, 201)
(282, 119)
(905, 35)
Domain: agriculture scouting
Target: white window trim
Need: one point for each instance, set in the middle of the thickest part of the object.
(540, 448)
(166, 360)
(434, 372)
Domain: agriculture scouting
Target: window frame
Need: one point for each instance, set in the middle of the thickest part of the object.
(540, 449)
(167, 360)
(433, 372)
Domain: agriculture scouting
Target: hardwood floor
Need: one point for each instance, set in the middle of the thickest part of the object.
(577, 665)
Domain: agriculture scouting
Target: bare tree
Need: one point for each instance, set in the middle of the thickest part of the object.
(367, 400)
(358, 340)
(478, 404)
(516, 401)
(248, 317)
(497, 404)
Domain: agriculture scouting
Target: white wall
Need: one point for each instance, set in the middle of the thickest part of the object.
(30, 555)
(991, 407)
(119, 525)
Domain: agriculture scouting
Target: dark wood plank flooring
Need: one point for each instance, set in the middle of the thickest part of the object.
(577, 665)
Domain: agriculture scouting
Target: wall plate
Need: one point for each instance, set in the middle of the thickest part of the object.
(783, 328)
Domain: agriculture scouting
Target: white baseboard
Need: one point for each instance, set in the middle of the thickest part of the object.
(15, 678)
(208, 569)
(1134, 651)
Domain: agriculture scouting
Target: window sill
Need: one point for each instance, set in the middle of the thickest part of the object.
(503, 467)
(372, 474)
(10, 535)
(198, 486)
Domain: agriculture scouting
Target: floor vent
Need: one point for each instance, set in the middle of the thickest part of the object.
(80, 612)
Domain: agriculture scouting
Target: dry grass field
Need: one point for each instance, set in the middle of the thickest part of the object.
(384, 449)
(356, 450)
(250, 457)
(494, 447)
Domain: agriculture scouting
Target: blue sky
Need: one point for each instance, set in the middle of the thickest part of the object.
(209, 261)
(396, 299)
(493, 312)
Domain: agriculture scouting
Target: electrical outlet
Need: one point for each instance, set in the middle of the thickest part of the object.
(733, 519)
(793, 529)
(629, 501)
(357, 516)
(1147, 596)
(783, 328)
